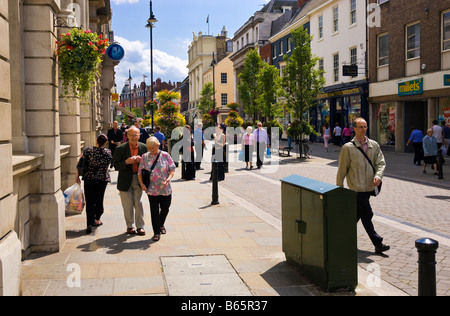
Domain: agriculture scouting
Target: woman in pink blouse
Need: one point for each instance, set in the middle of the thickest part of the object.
(159, 191)
(247, 142)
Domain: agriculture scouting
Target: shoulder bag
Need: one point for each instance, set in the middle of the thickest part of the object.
(146, 173)
(378, 188)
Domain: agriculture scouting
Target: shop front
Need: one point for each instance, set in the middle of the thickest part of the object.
(341, 104)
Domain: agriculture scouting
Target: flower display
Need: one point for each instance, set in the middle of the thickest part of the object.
(234, 120)
(80, 54)
(168, 117)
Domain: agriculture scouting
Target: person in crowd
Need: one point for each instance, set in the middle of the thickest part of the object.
(199, 144)
(159, 191)
(361, 177)
(438, 133)
(430, 151)
(347, 133)
(337, 135)
(126, 160)
(115, 137)
(326, 135)
(188, 160)
(218, 152)
(161, 137)
(416, 138)
(247, 146)
(262, 143)
(96, 178)
(143, 134)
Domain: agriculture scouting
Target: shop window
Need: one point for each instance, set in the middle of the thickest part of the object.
(386, 117)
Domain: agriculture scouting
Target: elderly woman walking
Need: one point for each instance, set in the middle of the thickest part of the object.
(247, 145)
(162, 168)
(430, 149)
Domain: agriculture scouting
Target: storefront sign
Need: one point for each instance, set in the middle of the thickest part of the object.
(115, 52)
(411, 87)
(350, 70)
(446, 80)
(341, 93)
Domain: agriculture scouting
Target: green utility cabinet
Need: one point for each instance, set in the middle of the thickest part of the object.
(319, 231)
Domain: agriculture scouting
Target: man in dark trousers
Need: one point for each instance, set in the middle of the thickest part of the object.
(361, 177)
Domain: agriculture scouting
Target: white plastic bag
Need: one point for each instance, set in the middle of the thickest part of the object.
(74, 199)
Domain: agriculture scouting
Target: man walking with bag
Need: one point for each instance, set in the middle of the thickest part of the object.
(362, 163)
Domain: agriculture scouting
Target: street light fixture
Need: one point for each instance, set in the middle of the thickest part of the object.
(145, 88)
(150, 25)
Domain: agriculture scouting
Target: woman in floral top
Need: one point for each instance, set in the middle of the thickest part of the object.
(159, 191)
(96, 179)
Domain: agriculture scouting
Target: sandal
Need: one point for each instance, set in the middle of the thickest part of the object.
(141, 232)
(156, 237)
(131, 231)
(163, 230)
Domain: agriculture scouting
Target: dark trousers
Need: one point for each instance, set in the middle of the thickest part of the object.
(94, 192)
(261, 148)
(159, 209)
(365, 213)
(418, 152)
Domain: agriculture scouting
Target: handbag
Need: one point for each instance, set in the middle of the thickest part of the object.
(82, 165)
(378, 188)
(146, 173)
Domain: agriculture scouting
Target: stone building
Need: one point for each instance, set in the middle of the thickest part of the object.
(42, 136)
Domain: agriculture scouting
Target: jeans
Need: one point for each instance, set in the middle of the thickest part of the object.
(94, 192)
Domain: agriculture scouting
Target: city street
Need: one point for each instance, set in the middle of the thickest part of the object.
(411, 206)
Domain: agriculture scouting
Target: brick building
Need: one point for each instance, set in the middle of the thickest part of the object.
(409, 61)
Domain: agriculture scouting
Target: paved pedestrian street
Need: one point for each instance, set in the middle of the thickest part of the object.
(412, 205)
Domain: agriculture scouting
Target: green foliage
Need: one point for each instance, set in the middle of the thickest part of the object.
(80, 55)
(269, 86)
(168, 117)
(206, 103)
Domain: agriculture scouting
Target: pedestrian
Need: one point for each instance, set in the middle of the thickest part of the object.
(430, 151)
(416, 138)
(159, 191)
(337, 134)
(126, 160)
(161, 138)
(143, 134)
(262, 143)
(446, 132)
(247, 146)
(326, 135)
(115, 137)
(96, 178)
(438, 133)
(362, 178)
(187, 159)
(199, 144)
(347, 133)
(218, 152)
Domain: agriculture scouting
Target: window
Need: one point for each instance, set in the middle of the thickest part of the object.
(223, 78)
(446, 31)
(383, 50)
(336, 67)
(274, 52)
(352, 12)
(335, 19)
(289, 44)
(413, 41)
(321, 67)
(281, 48)
(224, 99)
(353, 56)
(321, 27)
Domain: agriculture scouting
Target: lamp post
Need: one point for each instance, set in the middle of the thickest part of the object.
(144, 93)
(129, 84)
(213, 65)
(150, 25)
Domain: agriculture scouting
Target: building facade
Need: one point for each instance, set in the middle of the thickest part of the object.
(42, 135)
(409, 67)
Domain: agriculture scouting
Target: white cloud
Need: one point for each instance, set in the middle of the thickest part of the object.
(119, 2)
(137, 59)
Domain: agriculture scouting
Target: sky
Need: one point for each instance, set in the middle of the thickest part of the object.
(172, 34)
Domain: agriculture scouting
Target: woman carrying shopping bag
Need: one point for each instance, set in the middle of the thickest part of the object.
(96, 177)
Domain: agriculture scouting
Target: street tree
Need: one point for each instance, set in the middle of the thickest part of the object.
(269, 87)
(206, 102)
(248, 84)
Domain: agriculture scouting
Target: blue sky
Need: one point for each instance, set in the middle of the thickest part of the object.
(177, 20)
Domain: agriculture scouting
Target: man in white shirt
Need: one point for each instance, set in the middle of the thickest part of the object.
(262, 143)
(438, 133)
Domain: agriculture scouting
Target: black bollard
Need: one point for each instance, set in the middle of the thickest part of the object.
(440, 164)
(215, 187)
(426, 248)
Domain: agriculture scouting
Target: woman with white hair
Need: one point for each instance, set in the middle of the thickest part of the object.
(430, 150)
(162, 168)
(247, 143)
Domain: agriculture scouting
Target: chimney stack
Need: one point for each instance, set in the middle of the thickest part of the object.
(301, 3)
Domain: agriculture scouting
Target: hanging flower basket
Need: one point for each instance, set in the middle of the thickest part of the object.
(80, 55)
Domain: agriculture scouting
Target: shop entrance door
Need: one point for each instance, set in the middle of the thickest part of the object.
(415, 114)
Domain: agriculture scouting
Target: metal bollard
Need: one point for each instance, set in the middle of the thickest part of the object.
(440, 164)
(215, 180)
(426, 248)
